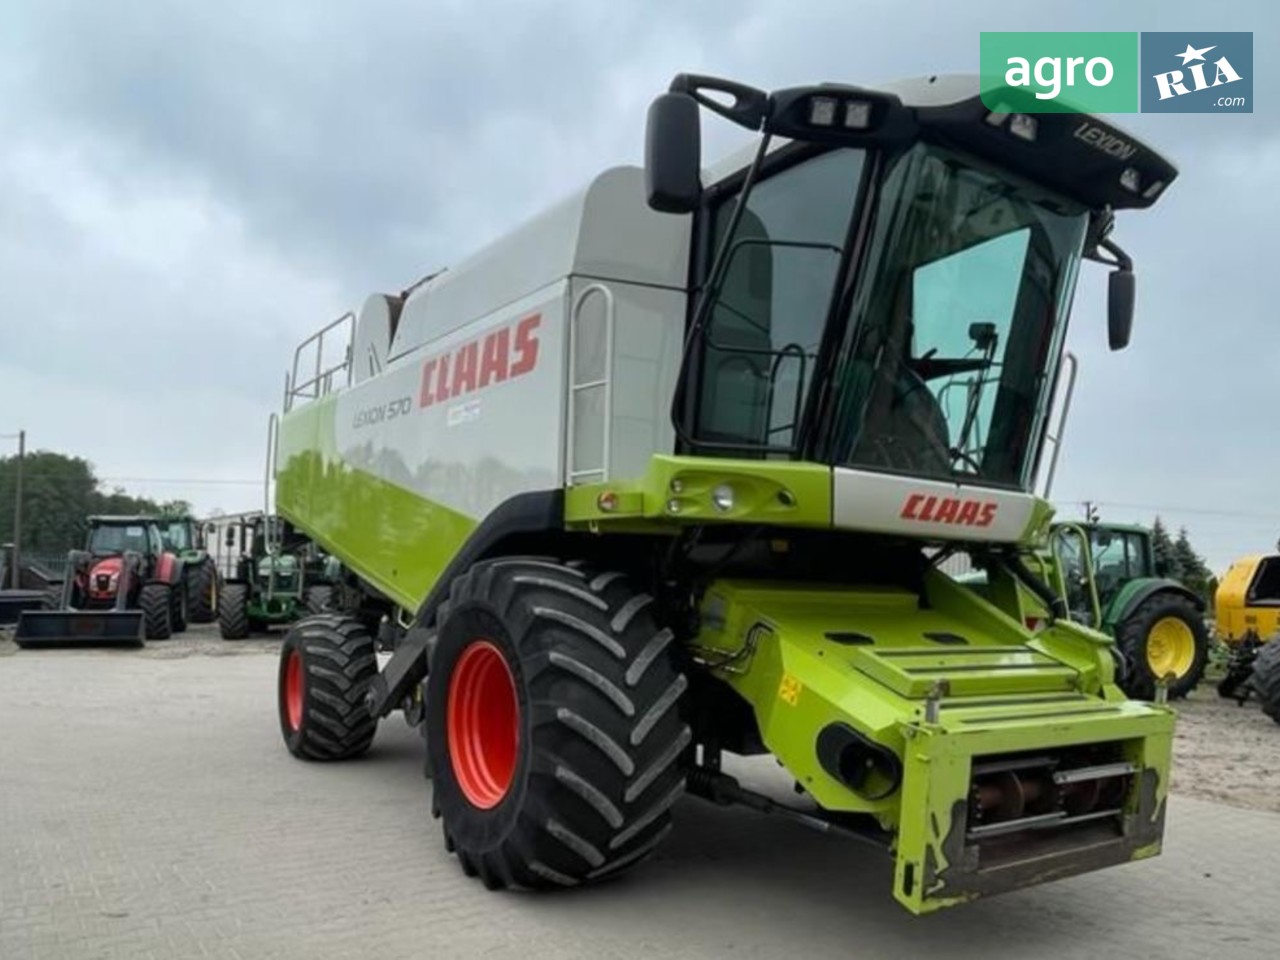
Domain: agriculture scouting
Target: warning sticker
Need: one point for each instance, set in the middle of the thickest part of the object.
(790, 689)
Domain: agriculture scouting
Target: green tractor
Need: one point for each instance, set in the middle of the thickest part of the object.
(1108, 578)
(184, 535)
(278, 579)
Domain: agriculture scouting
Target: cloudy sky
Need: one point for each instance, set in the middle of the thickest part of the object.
(187, 190)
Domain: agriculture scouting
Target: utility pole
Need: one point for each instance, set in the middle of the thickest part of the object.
(17, 510)
(21, 437)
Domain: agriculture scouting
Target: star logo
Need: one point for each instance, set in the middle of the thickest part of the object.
(1191, 53)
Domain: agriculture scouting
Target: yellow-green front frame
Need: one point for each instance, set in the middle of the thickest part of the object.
(785, 648)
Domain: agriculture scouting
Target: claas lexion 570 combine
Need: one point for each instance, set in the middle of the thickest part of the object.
(669, 472)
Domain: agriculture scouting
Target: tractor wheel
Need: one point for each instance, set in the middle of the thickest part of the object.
(318, 599)
(1266, 678)
(178, 600)
(1164, 635)
(52, 598)
(157, 611)
(233, 611)
(202, 591)
(553, 729)
(326, 665)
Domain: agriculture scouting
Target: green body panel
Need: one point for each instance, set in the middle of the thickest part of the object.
(397, 540)
(279, 609)
(1133, 593)
(806, 657)
(792, 494)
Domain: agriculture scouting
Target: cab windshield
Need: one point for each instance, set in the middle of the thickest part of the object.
(110, 540)
(955, 331)
(176, 536)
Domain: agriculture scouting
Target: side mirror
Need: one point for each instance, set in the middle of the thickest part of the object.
(1120, 295)
(673, 154)
(1162, 568)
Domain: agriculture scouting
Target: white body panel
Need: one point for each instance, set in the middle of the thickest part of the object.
(371, 345)
(423, 427)
(626, 345)
(605, 231)
(931, 510)
(547, 359)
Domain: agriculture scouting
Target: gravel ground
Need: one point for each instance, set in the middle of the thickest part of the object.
(1226, 753)
(148, 811)
(1222, 752)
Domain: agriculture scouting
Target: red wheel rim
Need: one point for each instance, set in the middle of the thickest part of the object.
(483, 717)
(293, 689)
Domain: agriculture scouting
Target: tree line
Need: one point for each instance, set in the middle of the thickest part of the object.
(59, 493)
(1178, 559)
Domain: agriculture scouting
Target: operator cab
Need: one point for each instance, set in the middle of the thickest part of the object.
(885, 286)
(110, 536)
(177, 535)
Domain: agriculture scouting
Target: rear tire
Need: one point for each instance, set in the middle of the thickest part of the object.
(326, 666)
(575, 779)
(318, 599)
(178, 598)
(1266, 678)
(1143, 651)
(202, 592)
(157, 611)
(233, 611)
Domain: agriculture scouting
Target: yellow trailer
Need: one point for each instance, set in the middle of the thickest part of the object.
(1247, 611)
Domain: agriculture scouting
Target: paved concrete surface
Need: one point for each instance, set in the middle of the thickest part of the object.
(148, 809)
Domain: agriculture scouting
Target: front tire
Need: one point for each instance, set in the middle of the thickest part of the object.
(1266, 677)
(157, 611)
(233, 611)
(202, 592)
(1165, 635)
(326, 666)
(553, 726)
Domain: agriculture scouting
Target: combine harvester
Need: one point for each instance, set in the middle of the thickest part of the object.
(669, 472)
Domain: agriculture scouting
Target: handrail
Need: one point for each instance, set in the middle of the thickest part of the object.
(606, 382)
(273, 437)
(1073, 367)
(321, 382)
(1089, 584)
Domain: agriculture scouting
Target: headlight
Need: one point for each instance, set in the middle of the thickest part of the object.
(722, 498)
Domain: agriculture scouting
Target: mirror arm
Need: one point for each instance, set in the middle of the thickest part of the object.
(749, 108)
(1122, 260)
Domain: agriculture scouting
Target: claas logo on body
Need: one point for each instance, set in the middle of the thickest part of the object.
(950, 510)
(503, 354)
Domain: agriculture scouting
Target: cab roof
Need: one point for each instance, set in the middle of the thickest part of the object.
(1091, 160)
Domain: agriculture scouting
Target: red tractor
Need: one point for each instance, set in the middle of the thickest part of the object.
(123, 587)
